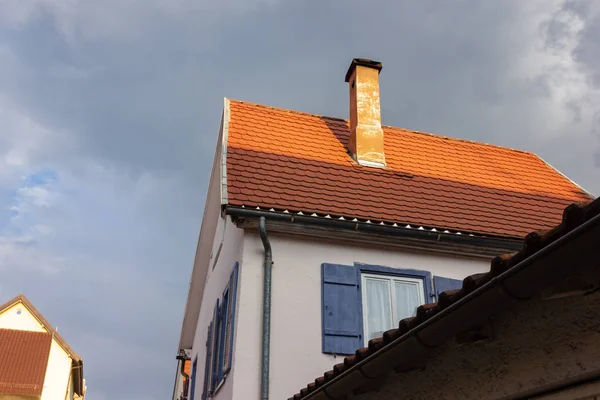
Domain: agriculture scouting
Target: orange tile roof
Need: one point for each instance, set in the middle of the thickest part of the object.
(288, 160)
(23, 361)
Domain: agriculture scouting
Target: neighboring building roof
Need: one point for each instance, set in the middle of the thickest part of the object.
(77, 361)
(23, 361)
(21, 298)
(291, 161)
(545, 259)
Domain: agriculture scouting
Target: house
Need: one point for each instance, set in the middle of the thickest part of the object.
(526, 329)
(320, 234)
(35, 361)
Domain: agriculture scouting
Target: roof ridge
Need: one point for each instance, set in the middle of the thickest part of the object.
(434, 135)
(290, 110)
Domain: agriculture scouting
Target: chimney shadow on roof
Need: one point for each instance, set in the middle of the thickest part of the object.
(338, 128)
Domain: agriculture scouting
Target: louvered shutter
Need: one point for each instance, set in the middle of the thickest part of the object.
(193, 379)
(215, 349)
(208, 363)
(341, 311)
(229, 333)
(222, 333)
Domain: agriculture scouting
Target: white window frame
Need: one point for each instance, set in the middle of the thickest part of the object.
(388, 278)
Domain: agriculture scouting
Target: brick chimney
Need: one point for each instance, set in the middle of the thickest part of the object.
(366, 136)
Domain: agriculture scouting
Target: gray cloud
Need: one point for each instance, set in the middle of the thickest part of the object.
(124, 102)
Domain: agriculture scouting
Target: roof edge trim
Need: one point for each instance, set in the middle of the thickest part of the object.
(224, 142)
(190, 317)
(566, 177)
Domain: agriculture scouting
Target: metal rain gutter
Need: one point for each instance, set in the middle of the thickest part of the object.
(356, 226)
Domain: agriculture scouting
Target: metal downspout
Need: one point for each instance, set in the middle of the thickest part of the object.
(266, 329)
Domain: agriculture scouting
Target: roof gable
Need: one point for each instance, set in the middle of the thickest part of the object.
(31, 310)
(287, 160)
(18, 316)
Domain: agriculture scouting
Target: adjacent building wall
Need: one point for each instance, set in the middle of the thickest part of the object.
(296, 356)
(57, 374)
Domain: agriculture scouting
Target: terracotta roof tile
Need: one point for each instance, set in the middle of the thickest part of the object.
(574, 216)
(23, 361)
(287, 160)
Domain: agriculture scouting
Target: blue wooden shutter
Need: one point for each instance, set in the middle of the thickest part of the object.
(222, 333)
(215, 349)
(341, 311)
(232, 290)
(442, 284)
(193, 378)
(207, 364)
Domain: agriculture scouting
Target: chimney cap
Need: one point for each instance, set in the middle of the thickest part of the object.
(363, 62)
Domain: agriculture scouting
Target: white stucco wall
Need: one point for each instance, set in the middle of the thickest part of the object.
(59, 361)
(296, 357)
(24, 321)
(216, 282)
(57, 374)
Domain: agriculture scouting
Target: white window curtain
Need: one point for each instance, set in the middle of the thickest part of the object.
(387, 300)
(407, 299)
(379, 311)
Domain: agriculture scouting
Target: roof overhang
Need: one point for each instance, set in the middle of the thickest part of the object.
(202, 255)
(384, 234)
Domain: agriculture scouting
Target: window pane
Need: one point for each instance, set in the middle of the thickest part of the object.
(378, 307)
(407, 299)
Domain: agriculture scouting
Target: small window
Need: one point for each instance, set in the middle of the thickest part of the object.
(360, 302)
(387, 300)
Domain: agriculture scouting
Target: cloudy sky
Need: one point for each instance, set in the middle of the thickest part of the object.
(109, 112)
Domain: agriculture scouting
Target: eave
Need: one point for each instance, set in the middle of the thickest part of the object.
(382, 233)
